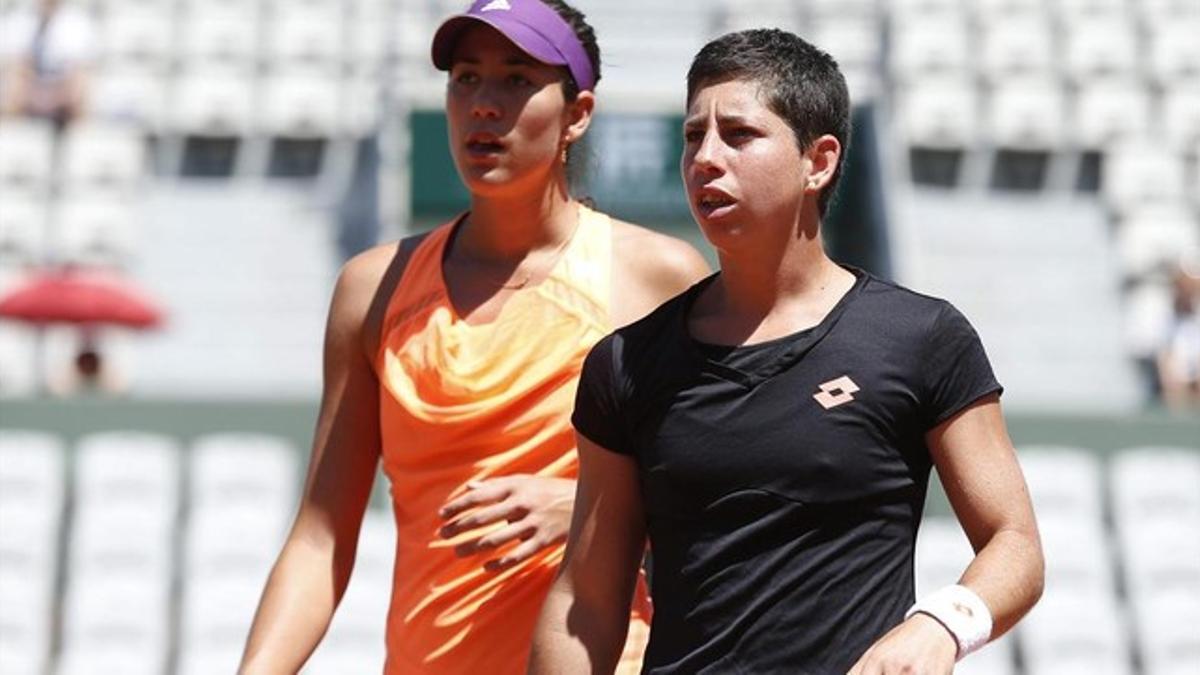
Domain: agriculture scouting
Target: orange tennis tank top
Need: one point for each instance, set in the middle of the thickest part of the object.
(461, 402)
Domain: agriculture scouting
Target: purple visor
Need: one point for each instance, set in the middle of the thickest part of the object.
(538, 30)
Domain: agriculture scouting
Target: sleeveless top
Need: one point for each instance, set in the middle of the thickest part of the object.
(462, 402)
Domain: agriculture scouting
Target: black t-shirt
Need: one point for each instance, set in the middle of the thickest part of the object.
(782, 482)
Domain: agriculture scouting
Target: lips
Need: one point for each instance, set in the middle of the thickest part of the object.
(712, 202)
(484, 144)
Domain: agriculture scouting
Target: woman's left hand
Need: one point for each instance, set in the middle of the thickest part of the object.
(537, 511)
(919, 645)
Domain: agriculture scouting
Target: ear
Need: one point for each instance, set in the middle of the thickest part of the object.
(579, 116)
(823, 155)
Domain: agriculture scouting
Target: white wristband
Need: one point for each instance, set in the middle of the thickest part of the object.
(961, 612)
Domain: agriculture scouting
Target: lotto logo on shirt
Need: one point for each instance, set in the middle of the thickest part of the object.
(833, 393)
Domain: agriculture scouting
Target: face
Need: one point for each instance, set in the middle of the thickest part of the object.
(508, 119)
(744, 172)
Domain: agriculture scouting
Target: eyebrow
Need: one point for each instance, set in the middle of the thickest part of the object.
(698, 120)
(510, 61)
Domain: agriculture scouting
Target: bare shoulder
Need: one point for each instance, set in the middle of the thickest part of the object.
(366, 283)
(649, 269)
(668, 263)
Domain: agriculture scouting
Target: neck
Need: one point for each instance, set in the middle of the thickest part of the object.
(758, 280)
(509, 227)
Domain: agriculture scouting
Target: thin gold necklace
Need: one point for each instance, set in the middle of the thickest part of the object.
(508, 284)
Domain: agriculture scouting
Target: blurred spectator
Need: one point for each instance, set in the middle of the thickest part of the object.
(1179, 358)
(46, 51)
(90, 373)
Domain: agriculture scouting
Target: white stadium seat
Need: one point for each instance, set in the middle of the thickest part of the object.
(935, 46)
(1108, 111)
(230, 470)
(212, 104)
(1063, 481)
(215, 617)
(1156, 484)
(1101, 47)
(103, 159)
(1151, 239)
(939, 113)
(1174, 52)
(1140, 172)
(26, 156)
(117, 469)
(129, 96)
(141, 38)
(96, 232)
(1181, 117)
(991, 10)
(307, 38)
(220, 37)
(22, 230)
(116, 625)
(1075, 635)
(1074, 10)
(300, 106)
(1166, 632)
(1018, 47)
(1027, 114)
(1147, 315)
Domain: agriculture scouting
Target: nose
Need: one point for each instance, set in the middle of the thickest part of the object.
(705, 158)
(485, 104)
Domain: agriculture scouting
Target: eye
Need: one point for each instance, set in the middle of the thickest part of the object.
(693, 135)
(465, 77)
(517, 80)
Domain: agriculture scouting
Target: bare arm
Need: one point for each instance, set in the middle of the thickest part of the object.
(979, 471)
(585, 617)
(313, 570)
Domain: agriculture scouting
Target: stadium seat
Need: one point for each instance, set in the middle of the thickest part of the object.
(1063, 481)
(22, 230)
(133, 468)
(307, 39)
(1027, 114)
(939, 113)
(300, 106)
(212, 105)
(1078, 557)
(1174, 53)
(1100, 47)
(362, 107)
(1075, 635)
(102, 160)
(1156, 484)
(937, 45)
(231, 470)
(369, 32)
(97, 232)
(743, 14)
(116, 625)
(1141, 172)
(129, 96)
(215, 617)
(220, 37)
(1151, 239)
(1167, 635)
(1181, 117)
(1110, 110)
(140, 38)
(1022, 46)
(26, 157)
(822, 8)
(19, 372)
(1069, 11)
(991, 10)
(120, 541)
(26, 632)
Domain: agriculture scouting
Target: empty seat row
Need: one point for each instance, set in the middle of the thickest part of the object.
(1038, 113)
(1082, 51)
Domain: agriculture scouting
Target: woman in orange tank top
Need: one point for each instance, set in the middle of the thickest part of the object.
(453, 358)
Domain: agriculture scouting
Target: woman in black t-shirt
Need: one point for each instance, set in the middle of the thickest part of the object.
(773, 428)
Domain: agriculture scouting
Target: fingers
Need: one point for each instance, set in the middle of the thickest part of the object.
(479, 494)
(504, 511)
(519, 554)
(519, 530)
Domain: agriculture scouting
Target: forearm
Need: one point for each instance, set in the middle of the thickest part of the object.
(295, 610)
(573, 636)
(1008, 575)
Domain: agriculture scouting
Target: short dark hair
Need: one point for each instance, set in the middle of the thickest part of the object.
(587, 37)
(797, 81)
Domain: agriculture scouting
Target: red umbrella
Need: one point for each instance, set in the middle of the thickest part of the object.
(80, 297)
